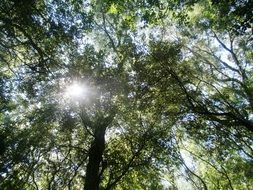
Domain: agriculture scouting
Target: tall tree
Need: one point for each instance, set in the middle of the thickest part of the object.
(122, 94)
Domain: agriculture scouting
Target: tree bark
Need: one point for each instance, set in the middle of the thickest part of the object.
(95, 154)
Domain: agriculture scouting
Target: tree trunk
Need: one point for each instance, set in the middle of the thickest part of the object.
(96, 151)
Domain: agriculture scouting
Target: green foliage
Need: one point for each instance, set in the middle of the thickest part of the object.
(234, 16)
(167, 94)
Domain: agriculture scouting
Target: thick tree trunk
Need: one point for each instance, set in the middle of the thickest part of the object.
(96, 151)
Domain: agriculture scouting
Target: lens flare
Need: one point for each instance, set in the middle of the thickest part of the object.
(76, 90)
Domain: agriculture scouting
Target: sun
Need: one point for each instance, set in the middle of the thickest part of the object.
(76, 90)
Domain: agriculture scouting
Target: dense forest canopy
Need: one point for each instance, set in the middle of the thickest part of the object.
(128, 94)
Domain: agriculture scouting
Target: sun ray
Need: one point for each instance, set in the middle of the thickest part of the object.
(76, 90)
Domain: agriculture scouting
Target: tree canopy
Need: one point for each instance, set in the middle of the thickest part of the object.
(142, 94)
